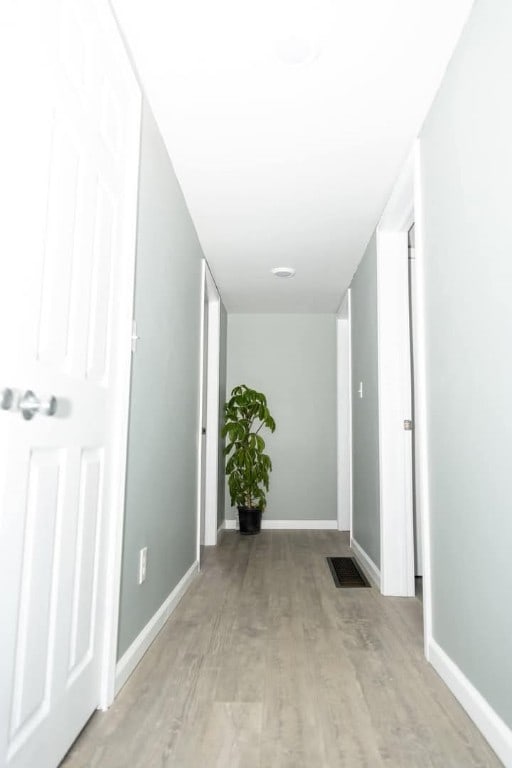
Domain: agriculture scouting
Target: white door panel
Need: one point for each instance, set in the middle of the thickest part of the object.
(73, 114)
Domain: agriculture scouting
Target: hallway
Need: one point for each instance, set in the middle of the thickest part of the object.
(265, 663)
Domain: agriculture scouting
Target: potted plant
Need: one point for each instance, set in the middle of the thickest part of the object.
(247, 466)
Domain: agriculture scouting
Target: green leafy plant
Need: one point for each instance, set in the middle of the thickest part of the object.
(247, 466)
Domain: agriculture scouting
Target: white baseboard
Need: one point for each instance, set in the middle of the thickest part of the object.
(140, 645)
(497, 733)
(289, 525)
(365, 562)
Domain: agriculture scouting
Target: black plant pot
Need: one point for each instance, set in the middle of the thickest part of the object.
(250, 520)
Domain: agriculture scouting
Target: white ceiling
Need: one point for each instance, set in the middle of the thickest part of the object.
(286, 164)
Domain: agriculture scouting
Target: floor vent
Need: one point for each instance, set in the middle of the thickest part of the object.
(346, 573)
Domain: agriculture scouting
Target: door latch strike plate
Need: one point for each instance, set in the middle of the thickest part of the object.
(135, 338)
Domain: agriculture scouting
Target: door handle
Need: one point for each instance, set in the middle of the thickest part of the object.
(30, 404)
(6, 398)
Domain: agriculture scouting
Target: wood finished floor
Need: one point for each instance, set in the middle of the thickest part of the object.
(265, 664)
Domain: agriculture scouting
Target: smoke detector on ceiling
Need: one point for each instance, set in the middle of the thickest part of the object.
(283, 271)
(297, 49)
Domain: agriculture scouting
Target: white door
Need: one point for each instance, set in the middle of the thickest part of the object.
(72, 108)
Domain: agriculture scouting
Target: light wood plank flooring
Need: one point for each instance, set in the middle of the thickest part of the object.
(265, 664)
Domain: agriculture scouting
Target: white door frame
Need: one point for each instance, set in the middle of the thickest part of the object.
(209, 296)
(420, 399)
(395, 457)
(394, 392)
(344, 415)
(112, 551)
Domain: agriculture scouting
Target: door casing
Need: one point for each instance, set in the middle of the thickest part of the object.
(394, 392)
(210, 302)
(344, 415)
(397, 533)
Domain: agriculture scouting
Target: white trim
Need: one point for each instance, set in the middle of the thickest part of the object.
(394, 393)
(133, 655)
(351, 478)
(212, 411)
(420, 378)
(394, 388)
(418, 529)
(497, 733)
(209, 296)
(344, 415)
(112, 550)
(289, 525)
(366, 563)
(398, 215)
(199, 474)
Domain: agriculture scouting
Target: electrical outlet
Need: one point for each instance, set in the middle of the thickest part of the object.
(143, 563)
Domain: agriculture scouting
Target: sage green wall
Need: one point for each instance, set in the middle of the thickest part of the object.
(222, 399)
(365, 411)
(162, 451)
(467, 192)
(292, 359)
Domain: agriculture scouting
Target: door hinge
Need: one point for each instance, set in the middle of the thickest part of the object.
(135, 338)
(408, 425)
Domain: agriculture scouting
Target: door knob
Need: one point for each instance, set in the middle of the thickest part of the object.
(6, 398)
(30, 404)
